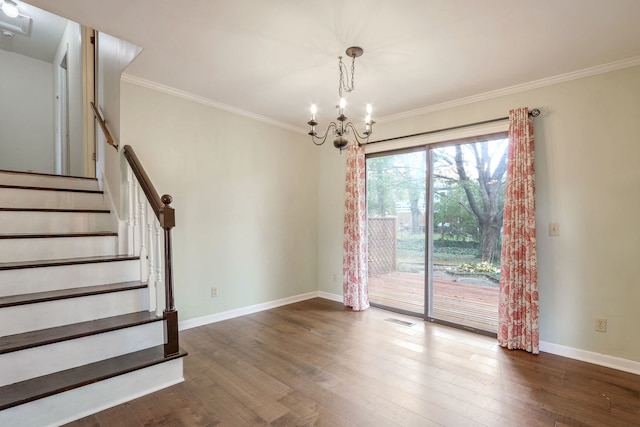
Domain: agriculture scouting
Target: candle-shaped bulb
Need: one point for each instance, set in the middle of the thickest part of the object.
(367, 120)
(369, 110)
(343, 103)
(314, 110)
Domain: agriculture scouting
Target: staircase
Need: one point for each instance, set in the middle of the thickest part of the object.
(76, 332)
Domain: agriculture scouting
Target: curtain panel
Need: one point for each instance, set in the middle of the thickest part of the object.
(518, 302)
(354, 264)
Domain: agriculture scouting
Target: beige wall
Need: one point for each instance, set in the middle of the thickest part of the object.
(588, 180)
(114, 55)
(245, 200)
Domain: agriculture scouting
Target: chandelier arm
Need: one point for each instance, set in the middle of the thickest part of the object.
(319, 140)
(360, 139)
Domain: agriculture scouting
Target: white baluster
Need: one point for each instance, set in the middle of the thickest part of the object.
(130, 221)
(136, 217)
(142, 230)
(151, 280)
(159, 263)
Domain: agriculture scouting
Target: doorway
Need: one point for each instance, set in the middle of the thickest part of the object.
(434, 230)
(63, 151)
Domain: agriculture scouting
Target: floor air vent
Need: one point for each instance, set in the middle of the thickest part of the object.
(399, 322)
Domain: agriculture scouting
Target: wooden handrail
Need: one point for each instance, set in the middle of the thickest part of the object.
(166, 217)
(160, 205)
(103, 126)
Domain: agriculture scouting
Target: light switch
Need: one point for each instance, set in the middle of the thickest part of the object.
(554, 229)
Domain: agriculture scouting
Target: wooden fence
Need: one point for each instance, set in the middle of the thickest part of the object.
(382, 244)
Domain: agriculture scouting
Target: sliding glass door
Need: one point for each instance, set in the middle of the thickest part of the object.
(434, 229)
(397, 217)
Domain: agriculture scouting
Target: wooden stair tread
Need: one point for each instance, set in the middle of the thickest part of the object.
(70, 190)
(47, 336)
(66, 261)
(56, 235)
(65, 210)
(48, 385)
(36, 297)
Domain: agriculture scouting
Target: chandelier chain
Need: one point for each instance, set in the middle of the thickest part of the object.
(344, 81)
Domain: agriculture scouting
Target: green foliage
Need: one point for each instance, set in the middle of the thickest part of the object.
(452, 216)
(396, 179)
(479, 267)
(411, 247)
(381, 179)
(460, 252)
(452, 244)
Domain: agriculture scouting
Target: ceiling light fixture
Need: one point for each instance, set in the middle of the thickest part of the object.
(341, 128)
(10, 8)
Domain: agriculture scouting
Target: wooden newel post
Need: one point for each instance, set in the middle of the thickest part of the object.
(167, 222)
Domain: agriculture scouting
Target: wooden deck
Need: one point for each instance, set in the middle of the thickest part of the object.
(464, 301)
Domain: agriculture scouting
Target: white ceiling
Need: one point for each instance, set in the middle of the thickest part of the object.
(43, 38)
(273, 58)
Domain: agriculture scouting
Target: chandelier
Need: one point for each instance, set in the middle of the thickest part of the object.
(342, 126)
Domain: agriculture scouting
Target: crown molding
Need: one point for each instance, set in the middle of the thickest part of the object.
(536, 84)
(208, 102)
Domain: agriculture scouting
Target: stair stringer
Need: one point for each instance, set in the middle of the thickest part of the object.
(117, 223)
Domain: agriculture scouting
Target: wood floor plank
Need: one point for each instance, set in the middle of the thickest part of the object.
(318, 363)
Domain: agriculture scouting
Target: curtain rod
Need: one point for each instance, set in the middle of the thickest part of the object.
(533, 113)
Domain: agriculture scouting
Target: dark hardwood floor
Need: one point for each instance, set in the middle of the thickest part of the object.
(317, 363)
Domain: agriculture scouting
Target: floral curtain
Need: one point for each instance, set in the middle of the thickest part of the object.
(518, 303)
(354, 263)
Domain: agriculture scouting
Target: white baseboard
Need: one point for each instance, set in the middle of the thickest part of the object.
(243, 311)
(560, 350)
(332, 297)
(613, 362)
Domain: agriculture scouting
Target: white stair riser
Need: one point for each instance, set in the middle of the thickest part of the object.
(42, 279)
(54, 222)
(78, 403)
(7, 178)
(31, 317)
(34, 362)
(21, 198)
(14, 250)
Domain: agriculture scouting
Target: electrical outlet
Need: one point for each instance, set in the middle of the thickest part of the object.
(554, 229)
(335, 277)
(214, 292)
(601, 324)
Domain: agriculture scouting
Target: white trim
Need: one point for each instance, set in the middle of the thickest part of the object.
(243, 311)
(613, 362)
(208, 102)
(332, 297)
(574, 75)
(510, 90)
